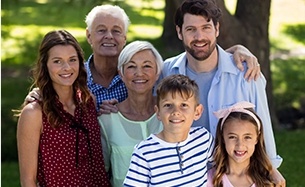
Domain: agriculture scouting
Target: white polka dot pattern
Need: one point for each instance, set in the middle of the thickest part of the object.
(57, 151)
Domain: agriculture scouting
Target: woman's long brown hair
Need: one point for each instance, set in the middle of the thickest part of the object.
(42, 80)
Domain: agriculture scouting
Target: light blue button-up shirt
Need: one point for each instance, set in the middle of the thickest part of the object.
(228, 87)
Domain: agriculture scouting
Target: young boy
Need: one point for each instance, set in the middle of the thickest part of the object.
(179, 154)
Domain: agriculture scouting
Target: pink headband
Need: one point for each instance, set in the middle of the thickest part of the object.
(238, 107)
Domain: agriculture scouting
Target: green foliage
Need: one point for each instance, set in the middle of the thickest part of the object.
(10, 174)
(288, 77)
(289, 146)
(296, 32)
(14, 91)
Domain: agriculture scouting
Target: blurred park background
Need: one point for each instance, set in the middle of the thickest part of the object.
(24, 22)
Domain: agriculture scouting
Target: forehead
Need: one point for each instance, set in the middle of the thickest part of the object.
(194, 20)
(108, 20)
(62, 50)
(144, 54)
(239, 127)
(178, 95)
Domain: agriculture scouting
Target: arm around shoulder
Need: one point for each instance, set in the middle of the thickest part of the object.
(28, 134)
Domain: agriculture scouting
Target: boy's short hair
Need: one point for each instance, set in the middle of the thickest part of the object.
(178, 84)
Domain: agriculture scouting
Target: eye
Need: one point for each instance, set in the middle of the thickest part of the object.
(189, 29)
(147, 66)
(232, 137)
(184, 105)
(73, 60)
(130, 66)
(248, 137)
(101, 31)
(56, 61)
(117, 32)
(167, 105)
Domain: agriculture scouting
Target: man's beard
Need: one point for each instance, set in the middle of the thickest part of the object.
(200, 55)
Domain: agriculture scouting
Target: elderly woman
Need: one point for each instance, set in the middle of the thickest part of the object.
(139, 66)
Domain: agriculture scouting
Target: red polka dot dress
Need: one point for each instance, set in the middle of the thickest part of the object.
(71, 154)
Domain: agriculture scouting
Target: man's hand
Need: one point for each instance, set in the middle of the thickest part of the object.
(241, 54)
(278, 178)
(32, 96)
(108, 106)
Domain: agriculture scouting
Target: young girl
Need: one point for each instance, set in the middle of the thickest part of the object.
(240, 157)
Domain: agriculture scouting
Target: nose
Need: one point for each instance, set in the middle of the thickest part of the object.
(108, 35)
(66, 66)
(175, 111)
(198, 35)
(239, 142)
(138, 71)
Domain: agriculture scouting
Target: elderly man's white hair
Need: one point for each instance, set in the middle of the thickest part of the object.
(113, 10)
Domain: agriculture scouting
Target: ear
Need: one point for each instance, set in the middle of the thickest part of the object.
(120, 73)
(217, 29)
(157, 111)
(88, 35)
(125, 39)
(198, 111)
(178, 30)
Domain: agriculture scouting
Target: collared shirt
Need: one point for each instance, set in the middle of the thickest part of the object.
(228, 87)
(115, 90)
(155, 162)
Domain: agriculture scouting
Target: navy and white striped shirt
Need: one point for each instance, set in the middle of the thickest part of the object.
(158, 163)
(115, 90)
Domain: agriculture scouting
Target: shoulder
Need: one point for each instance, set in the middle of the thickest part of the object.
(31, 110)
(174, 59)
(147, 143)
(211, 173)
(31, 116)
(199, 131)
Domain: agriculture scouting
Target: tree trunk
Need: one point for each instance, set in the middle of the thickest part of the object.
(169, 35)
(249, 27)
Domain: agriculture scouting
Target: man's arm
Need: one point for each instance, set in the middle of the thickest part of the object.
(259, 98)
(241, 54)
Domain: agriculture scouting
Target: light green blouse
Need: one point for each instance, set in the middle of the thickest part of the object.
(119, 136)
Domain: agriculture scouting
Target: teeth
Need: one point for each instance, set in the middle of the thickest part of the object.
(176, 121)
(240, 152)
(108, 45)
(66, 75)
(199, 45)
(140, 81)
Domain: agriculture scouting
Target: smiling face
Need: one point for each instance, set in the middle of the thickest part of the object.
(240, 138)
(178, 112)
(107, 36)
(140, 73)
(198, 36)
(63, 65)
